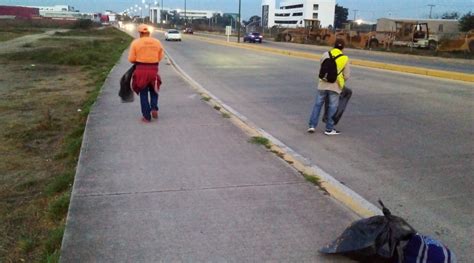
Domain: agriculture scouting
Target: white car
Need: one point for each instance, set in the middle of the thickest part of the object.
(173, 34)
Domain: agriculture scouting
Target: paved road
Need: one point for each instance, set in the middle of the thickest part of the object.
(406, 139)
(188, 188)
(457, 65)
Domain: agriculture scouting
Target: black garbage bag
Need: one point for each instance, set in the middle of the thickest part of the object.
(126, 92)
(344, 98)
(372, 239)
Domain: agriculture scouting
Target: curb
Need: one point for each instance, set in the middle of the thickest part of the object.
(333, 187)
(451, 75)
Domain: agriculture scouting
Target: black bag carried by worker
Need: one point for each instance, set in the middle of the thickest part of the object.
(328, 71)
(372, 239)
(344, 98)
(126, 92)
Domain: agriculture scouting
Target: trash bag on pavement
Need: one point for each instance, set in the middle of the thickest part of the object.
(372, 239)
(126, 92)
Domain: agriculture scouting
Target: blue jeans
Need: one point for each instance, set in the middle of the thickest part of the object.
(318, 105)
(146, 104)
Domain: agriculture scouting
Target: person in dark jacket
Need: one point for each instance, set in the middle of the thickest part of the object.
(146, 53)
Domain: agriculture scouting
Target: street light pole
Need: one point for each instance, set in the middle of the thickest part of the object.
(185, 17)
(355, 14)
(238, 22)
(431, 9)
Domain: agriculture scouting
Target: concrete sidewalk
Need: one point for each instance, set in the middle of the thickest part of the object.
(188, 187)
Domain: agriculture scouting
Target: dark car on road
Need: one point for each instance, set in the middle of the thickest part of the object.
(253, 37)
(188, 31)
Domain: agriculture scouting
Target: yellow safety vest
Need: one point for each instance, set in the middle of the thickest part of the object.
(341, 64)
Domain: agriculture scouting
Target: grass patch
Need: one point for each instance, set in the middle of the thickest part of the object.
(314, 180)
(26, 244)
(27, 185)
(260, 140)
(87, 33)
(58, 208)
(42, 132)
(53, 244)
(205, 98)
(75, 52)
(53, 258)
(226, 115)
(216, 107)
(60, 183)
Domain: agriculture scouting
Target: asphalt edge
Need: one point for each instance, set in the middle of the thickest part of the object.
(451, 75)
(332, 186)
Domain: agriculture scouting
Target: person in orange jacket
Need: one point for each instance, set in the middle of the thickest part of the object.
(146, 52)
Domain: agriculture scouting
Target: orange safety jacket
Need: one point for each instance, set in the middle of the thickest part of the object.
(146, 53)
(146, 50)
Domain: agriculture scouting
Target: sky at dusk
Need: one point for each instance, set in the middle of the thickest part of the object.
(367, 9)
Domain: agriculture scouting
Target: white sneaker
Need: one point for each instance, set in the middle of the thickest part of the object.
(333, 132)
(311, 130)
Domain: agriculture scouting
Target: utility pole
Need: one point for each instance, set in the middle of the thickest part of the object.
(238, 22)
(431, 8)
(185, 17)
(355, 14)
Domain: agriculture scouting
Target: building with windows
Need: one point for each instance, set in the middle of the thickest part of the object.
(155, 13)
(66, 12)
(292, 13)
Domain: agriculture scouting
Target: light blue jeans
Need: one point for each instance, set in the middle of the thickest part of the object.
(318, 105)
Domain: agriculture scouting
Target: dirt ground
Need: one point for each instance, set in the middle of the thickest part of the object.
(38, 105)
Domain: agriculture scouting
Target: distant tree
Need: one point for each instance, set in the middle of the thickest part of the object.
(126, 18)
(252, 19)
(83, 24)
(164, 15)
(450, 15)
(340, 17)
(174, 18)
(466, 22)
